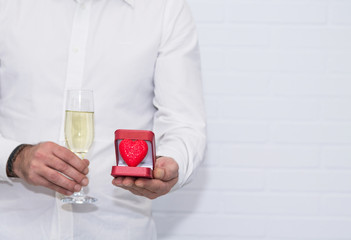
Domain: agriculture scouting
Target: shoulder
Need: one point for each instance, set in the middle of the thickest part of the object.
(167, 10)
(3, 6)
(174, 4)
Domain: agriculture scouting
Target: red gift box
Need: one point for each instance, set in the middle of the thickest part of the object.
(135, 153)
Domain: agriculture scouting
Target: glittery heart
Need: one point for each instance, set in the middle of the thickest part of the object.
(133, 151)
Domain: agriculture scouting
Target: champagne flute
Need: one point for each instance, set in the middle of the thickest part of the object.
(79, 132)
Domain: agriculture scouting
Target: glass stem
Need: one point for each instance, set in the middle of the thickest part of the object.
(81, 155)
(79, 194)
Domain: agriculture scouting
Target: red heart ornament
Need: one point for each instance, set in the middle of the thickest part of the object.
(133, 151)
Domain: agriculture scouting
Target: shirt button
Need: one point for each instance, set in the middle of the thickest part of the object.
(75, 50)
(82, 6)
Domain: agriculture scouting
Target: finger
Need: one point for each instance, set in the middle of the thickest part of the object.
(152, 185)
(86, 170)
(61, 166)
(70, 158)
(150, 188)
(123, 181)
(45, 183)
(132, 190)
(155, 185)
(58, 179)
(165, 174)
(128, 181)
(145, 192)
(166, 169)
(118, 181)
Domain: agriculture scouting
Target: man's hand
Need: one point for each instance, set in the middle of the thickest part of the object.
(165, 177)
(41, 165)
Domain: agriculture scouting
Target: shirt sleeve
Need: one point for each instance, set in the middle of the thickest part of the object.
(6, 145)
(6, 148)
(179, 122)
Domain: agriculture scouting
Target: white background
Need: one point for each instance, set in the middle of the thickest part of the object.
(277, 83)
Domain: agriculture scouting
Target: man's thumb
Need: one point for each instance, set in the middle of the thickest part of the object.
(159, 173)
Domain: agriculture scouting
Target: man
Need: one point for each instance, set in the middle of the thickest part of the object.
(141, 59)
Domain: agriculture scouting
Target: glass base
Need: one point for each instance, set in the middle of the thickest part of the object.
(78, 199)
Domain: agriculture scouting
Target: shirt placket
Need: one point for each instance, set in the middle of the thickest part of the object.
(74, 80)
(77, 48)
(77, 52)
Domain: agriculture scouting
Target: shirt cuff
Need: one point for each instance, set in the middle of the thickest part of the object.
(7, 146)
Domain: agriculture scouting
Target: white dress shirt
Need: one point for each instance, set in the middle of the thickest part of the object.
(141, 59)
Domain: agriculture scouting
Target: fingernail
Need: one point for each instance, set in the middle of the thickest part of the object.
(85, 182)
(77, 188)
(86, 171)
(139, 184)
(160, 173)
(118, 182)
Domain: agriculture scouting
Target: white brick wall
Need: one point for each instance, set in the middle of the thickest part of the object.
(277, 83)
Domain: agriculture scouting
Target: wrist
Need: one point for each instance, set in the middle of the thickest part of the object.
(12, 158)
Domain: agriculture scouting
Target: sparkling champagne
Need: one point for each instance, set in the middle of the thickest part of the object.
(79, 131)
